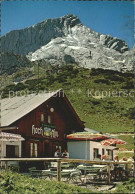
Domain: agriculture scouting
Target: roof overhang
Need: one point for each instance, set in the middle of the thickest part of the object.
(10, 137)
(8, 128)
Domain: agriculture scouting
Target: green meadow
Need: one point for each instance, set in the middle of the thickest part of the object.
(104, 99)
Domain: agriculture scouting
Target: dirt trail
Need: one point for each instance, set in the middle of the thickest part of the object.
(125, 133)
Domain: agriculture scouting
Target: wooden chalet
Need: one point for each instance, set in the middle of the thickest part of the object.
(43, 120)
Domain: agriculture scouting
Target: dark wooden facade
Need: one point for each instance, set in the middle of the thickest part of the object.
(45, 127)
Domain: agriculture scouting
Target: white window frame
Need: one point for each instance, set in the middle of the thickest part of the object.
(96, 154)
(33, 150)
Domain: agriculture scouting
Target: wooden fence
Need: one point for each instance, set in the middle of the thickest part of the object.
(60, 160)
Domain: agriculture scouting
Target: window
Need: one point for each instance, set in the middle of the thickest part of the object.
(33, 150)
(12, 151)
(49, 119)
(42, 118)
(110, 154)
(95, 153)
(103, 151)
(45, 118)
(58, 147)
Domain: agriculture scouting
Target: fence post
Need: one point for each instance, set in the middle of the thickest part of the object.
(108, 172)
(58, 170)
(6, 165)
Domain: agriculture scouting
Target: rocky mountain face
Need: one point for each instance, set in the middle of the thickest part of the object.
(66, 40)
(12, 62)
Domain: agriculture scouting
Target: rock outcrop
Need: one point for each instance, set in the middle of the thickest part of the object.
(12, 62)
(67, 40)
(114, 43)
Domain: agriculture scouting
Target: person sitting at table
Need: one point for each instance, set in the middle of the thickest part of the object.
(118, 171)
(116, 167)
(128, 167)
(65, 154)
(124, 159)
(132, 158)
(57, 154)
(123, 166)
(104, 157)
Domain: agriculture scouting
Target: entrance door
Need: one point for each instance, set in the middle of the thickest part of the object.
(47, 150)
(12, 151)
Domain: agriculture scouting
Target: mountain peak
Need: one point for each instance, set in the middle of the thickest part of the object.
(72, 18)
(67, 39)
(68, 20)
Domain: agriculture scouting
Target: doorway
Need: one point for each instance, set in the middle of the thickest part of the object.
(12, 151)
(47, 150)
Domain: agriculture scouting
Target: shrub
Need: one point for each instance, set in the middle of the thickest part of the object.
(129, 85)
(114, 77)
(104, 81)
(50, 79)
(7, 89)
(19, 86)
(94, 72)
(95, 102)
(61, 78)
(131, 113)
(31, 82)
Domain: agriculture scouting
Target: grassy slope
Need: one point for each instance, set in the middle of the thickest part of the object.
(129, 146)
(129, 139)
(109, 114)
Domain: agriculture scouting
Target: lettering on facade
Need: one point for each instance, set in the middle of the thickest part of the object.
(45, 131)
(36, 130)
(54, 133)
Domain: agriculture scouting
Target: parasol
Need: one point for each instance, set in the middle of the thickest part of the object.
(86, 136)
(112, 142)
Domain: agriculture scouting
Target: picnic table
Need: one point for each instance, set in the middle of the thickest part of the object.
(91, 168)
(63, 165)
(66, 174)
(93, 172)
(36, 173)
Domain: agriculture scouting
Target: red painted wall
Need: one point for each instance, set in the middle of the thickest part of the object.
(34, 118)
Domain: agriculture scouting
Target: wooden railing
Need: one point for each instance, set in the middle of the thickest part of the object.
(59, 160)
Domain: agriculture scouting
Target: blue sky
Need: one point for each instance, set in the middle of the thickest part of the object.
(107, 17)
